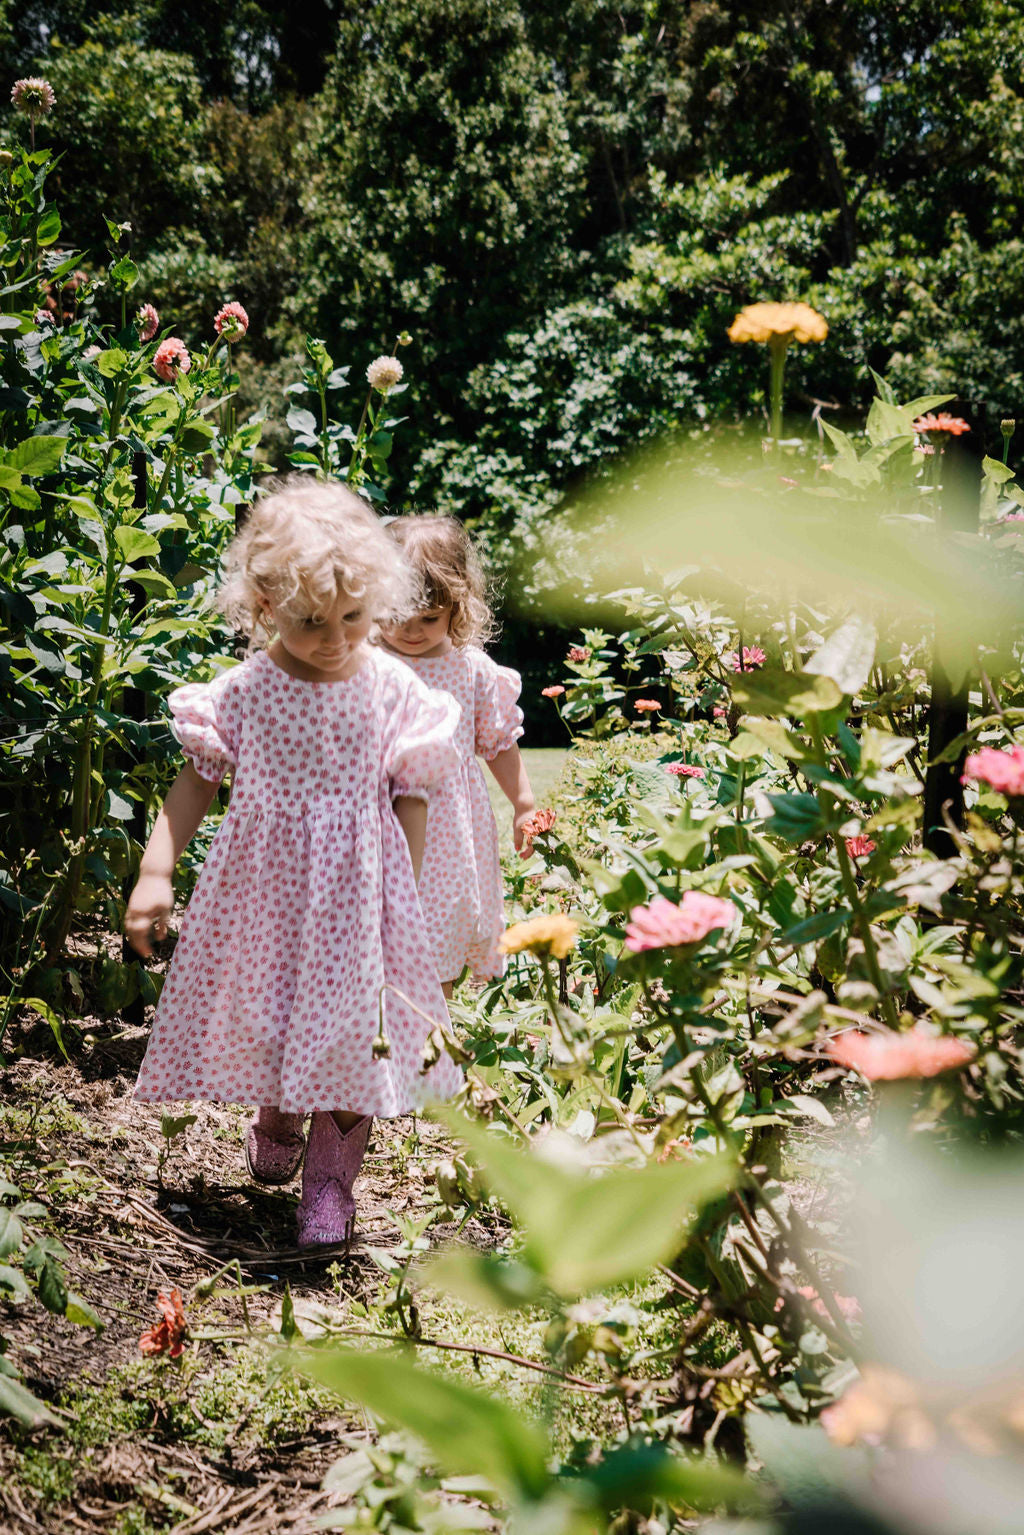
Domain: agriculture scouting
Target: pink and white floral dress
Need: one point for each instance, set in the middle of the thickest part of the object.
(460, 882)
(307, 903)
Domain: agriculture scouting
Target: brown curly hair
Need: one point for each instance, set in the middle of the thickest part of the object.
(441, 552)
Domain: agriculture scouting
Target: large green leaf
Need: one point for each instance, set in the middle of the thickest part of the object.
(777, 692)
(846, 656)
(12, 1232)
(18, 1402)
(135, 543)
(465, 1430)
(36, 455)
(584, 1230)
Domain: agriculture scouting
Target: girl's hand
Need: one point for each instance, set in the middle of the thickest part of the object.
(149, 906)
(523, 845)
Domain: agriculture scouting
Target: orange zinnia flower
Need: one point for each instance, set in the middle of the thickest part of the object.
(891, 1057)
(943, 422)
(168, 1335)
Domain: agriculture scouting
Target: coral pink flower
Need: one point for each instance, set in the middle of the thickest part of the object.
(33, 96)
(684, 770)
(849, 1305)
(168, 1335)
(1002, 770)
(231, 322)
(1012, 517)
(148, 322)
(719, 712)
(579, 653)
(753, 655)
(664, 925)
(859, 847)
(943, 422)
(891, 1057)
(646, 705)
(536, 825)
(170, 359)
(554, 691)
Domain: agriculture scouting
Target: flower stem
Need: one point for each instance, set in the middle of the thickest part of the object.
(778, 347)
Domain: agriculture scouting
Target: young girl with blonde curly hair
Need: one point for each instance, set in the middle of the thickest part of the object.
(307, 904)
(461, 887)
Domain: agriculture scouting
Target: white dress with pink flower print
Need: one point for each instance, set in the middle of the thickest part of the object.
(307, 903)
(460, 882)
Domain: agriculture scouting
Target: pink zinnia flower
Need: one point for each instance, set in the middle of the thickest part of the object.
(231, 322)
(719, 712)
(753, 655)
(33, 96)
(1012, 517)
(579, 653)
(646, 705)
(891, 1057)
(536, 825)
(943, 422)
(170, 359)
(554, 691)
(849, 1305)
(1003, 770)
(684, 770)
(859, 847)
(44, 317)
(148, 322)
(664, 925)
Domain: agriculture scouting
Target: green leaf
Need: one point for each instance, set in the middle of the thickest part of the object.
(584, 1232)
(111, 362)
(172, 1125)
(197, 437)
(153, 582)
(803, 1104)
(81, 1313)
(302, 422)
(778, 692)
(847, 656)
(135, 544)
(289, 1327)
(12, 1233)
(51, 1288)
(996, 471)
(10, 479)
(124, 273)
(25, 498)
(37, 455)
(820, 925)
(466, 1431)
(48, 228)
(18, 1402)
(48, 1015)
(13, 1281)
(795, 817)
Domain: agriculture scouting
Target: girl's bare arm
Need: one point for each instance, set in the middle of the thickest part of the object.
(412, 818)
(152, 900)
(512, 779)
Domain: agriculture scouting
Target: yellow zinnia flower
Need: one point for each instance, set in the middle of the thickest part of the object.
(553, 934)
(763, 322)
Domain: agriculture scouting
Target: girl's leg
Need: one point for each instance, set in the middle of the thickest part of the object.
(447, 987)
(274, 1144)
(334, 1155)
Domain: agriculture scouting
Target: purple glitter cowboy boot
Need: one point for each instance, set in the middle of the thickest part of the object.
(327, 1210)
(274, 1144)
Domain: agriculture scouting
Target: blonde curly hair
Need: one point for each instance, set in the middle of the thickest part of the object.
(441, 553)
(304, 541)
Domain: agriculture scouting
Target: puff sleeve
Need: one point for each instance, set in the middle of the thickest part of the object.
(201, 719)
(421, 752)
(498, 718)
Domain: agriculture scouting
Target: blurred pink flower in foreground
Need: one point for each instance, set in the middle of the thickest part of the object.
(860, 847)
(849, 1305)
(554, 691)
(1001, 770)
(170, 359)
(891, 1057)
(231, 322)
(646, 705)
(684, 770)
(753, 656)
(148, 322)
(664, 925)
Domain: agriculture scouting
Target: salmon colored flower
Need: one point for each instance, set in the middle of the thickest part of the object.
(752, 656)
(537, 824)
(720, 712)
(646, 705)
(231, 322)
(554, 933)
(849, 1305)
(1002, 770)
(761, 322)
(168, 1335)
(859, 847)
(170, 359)
(892, 1057)
(148, 322)
(579, 653)
(664, 925)
(684, 770)
(554, 691)
(943, 422)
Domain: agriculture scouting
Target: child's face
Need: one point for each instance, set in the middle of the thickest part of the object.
(323, 646)
(425, 635)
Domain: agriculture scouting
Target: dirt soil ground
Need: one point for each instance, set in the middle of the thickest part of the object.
(72, 1135)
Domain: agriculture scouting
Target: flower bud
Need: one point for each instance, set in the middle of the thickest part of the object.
(405, 339)
(381, 1049)
(1008, 427)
